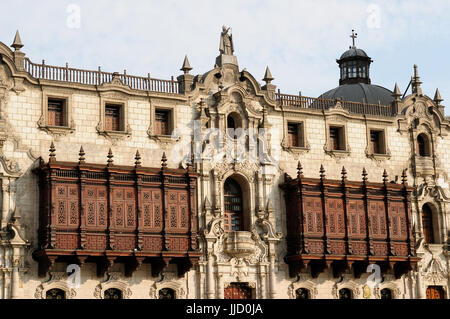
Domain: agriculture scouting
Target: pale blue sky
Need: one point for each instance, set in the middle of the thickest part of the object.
(299, 40)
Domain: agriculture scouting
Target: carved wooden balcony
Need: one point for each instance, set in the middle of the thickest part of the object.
(108, 214)
(348, 225)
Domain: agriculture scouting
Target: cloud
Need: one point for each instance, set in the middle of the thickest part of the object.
(299, 40)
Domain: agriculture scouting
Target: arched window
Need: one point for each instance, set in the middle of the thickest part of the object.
(166, 293)
(427, 224)
(345, 293)
(423, 145)
(386, 293)
(233, 205)
(302, 293)
(55, 293)
(234, 125)
(113, 293)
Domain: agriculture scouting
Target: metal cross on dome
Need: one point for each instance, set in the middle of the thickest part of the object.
(354, 36)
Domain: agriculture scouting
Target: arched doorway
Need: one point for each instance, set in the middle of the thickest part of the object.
(302, 293)
(386, 293)
(345, 293)
(233, 206)
(166, 293)
(238, 291)
(113, 293)
(55, 293)
(435, 292)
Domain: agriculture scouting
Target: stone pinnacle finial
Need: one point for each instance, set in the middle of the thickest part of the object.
(404, 176)
(385, 177)
(81, 160)
(322, 172)
(364, 175)
(437, 97)
(110, 158)
(17, 44)
(186, 66)
(137, 157)
(299, 170)
(415, 81)
(268, 76)
(344, 174)
(52, 156)
(164, 161)
(397, 94)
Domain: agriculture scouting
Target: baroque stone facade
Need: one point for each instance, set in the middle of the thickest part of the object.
(239, 172)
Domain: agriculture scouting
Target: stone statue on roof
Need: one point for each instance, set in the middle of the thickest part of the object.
(226, 42)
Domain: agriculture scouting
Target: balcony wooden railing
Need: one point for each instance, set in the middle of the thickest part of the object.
(90, 77)
(298, 101)
(110, 213)
(348, 225)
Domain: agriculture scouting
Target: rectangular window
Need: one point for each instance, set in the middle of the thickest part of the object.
(113, 117)
(295, 135)
(56, 110)
(377, 142)
(162, 122)
(337, 139)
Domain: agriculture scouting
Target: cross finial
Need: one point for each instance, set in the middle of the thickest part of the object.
(354, 36)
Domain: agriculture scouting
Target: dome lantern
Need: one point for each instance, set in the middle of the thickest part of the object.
(354, 65)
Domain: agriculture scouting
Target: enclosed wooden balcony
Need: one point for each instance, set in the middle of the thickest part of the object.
(346, 225)
(110, 214)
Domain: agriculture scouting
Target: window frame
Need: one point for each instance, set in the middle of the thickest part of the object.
(303, 144)
(384, 143)
(124, 125)
(68, 123)
(151, 132)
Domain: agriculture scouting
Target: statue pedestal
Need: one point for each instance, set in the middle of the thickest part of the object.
(226, 59)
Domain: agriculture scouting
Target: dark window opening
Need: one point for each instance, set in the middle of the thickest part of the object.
(162, 122)
(377, 142)
(337, 139)
(56, 110)
(427, 224)
(113, 117)
(423, 145)
(295, 135)
(233, 206)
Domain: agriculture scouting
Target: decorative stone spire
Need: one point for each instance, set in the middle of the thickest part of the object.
(385, 177)
(186, 66)
(110, 158)
(404, 177)
(415, 81)
(163, 161)
(137, 158)
(17, 44)
(397, 94)
(268, 76)
(52, 156)
(322, 172)
(437, 97)
(299, 170)
(344, 174)
(81, 160)
(364, 175)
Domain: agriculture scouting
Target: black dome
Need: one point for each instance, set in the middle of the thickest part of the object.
(353, 52)
(360, 92)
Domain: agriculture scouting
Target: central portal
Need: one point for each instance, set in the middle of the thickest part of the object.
(238, 291)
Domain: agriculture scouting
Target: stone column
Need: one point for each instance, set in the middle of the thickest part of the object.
(262, 278)
(220, 287)
(419, 284)
(210, 277)
(5, 201)
(272, 291)
(15, 284)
